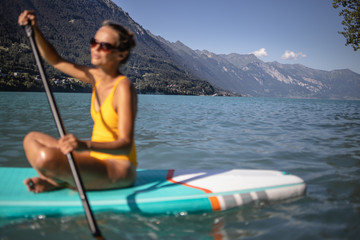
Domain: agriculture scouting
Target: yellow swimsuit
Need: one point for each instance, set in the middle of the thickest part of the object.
(106, 126)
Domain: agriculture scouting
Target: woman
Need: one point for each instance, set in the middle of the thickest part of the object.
(108, 160)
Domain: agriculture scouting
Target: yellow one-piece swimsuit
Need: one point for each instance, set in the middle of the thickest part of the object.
(106, 126)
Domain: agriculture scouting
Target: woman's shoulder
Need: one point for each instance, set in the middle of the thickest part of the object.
(125, 84)
(123, 81)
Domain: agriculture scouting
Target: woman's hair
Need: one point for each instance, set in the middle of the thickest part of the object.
(126, 38)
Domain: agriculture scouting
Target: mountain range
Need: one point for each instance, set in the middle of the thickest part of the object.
(249, 76)
(160, 66)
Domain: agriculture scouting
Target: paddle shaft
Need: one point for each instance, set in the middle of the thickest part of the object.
(55, 112)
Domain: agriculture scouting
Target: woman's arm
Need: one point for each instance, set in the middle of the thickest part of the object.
(49, 53)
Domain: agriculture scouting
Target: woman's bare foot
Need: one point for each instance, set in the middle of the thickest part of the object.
(38, 184)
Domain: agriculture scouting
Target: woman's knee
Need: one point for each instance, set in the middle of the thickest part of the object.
(37, 139)
(32, 149)
(29, 138)
(45, 159)
(121, 173)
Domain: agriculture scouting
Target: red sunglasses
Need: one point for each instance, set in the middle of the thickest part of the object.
(104, 46)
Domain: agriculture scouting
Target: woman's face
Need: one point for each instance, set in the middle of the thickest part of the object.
(100, 56)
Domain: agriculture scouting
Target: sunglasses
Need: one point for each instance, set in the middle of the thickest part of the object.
(104, 46)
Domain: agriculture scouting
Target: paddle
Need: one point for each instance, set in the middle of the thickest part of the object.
(55, 112)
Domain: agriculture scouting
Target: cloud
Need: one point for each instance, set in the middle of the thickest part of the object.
(260, 53)
(290, 55)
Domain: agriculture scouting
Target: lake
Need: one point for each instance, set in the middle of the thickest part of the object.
(317, 140)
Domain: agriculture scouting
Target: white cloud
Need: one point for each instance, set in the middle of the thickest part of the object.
(290, 55)
(260, 53)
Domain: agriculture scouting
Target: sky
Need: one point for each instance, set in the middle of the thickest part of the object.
(287, 31)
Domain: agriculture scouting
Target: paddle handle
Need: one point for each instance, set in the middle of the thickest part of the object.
(60, 127)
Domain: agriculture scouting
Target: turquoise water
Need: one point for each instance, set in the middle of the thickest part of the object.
(318, 140)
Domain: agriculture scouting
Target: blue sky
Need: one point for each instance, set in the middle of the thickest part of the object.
(287, 31)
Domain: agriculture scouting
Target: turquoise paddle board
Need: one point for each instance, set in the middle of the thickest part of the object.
(154, 192)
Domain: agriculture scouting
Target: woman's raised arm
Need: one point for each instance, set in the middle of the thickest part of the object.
(49, 53)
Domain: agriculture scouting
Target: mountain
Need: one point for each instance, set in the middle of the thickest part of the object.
(249, 76)
(160, 66)
(69, 24)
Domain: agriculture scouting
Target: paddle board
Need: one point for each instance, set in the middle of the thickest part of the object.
(154, 192)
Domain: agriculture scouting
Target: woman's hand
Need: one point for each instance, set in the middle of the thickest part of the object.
(27, 16)
(69, 143)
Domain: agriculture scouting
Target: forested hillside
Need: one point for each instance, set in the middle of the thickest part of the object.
(68, 25)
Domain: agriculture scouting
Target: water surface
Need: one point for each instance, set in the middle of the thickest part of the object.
(318, 140)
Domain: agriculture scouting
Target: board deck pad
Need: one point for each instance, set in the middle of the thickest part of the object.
(154, 192)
